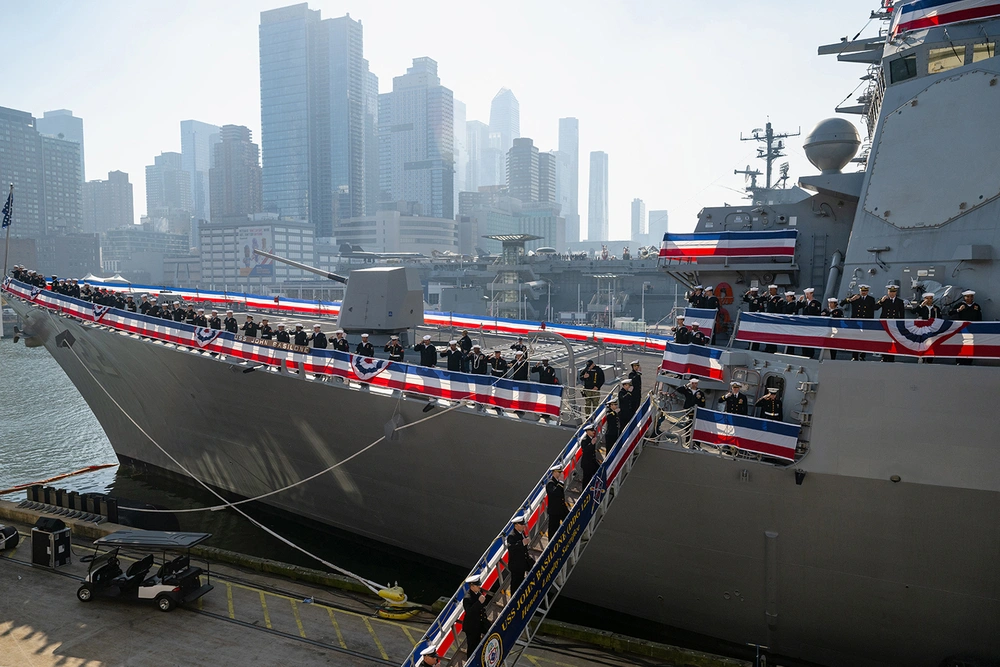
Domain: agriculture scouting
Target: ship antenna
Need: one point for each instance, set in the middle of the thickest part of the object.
(773, 146)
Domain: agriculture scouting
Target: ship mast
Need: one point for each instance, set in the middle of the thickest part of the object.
(773, 146)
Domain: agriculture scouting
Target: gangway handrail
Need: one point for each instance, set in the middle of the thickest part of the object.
(443, 633)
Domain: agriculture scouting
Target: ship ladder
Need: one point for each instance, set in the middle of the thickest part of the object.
(515, 617)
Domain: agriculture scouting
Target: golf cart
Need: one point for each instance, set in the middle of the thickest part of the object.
(174, 581)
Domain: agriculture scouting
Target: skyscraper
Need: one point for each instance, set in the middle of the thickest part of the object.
(62, 124)
(107, 204)
(657, 226)
(505, 119)
(313, 83)
(62, 187)
(197, 147)
(568, 176)
(461, 152)
(522, 170)
(597, 211)
(640, 227)
(371, 142)
(22, 166)
(235, 174)
(547, 178)
(168, 194)
(421, 147)
(477, 140)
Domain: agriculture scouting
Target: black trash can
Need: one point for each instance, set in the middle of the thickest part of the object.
(8, 537)
(50, 543)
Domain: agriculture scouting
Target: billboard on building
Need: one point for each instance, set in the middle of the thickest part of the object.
(249, 239)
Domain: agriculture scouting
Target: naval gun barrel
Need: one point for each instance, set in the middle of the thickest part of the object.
(304, 267)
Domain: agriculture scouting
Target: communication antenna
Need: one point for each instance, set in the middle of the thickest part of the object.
(750, 175)
(773, 145)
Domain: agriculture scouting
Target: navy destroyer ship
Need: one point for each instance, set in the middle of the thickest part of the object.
(878, 545)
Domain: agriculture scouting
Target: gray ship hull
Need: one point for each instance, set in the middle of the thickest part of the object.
(847, 568)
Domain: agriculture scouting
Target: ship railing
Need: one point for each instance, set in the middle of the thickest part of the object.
(503, 393)
(516, 616)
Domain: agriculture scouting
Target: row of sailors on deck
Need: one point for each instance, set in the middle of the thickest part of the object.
(736, 402)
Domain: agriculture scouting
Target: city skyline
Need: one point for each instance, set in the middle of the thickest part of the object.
(675, 154)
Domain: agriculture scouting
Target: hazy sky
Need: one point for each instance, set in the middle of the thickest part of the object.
(665, 87)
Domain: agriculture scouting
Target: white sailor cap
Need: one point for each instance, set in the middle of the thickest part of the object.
(474, 578)
(476, 346)
(177, 303)
(626, 381)
(589, 427)
(693, 381)
(281, 326)
(364, 335)
(520, 518)
(969, 292)
(453, 342)
(339, 331)
(316, 326)
(789, 293)
(863, 287)
(754, 289)
(635, 362)
(772, 287)
(200, 310)
(556, 468)
(735, 383)
(928, 294)
(519, 354)
(298, 325)
(394, 337)
(772, 390)
(214, 312)
(832, 299)
(430, 650)
(229, 312)
(680, 317)
(709, 289)
(695, 325)
(808, 290)
(699, 287)
(892, 288)
(427, 337)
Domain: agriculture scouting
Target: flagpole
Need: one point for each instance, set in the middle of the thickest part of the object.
(6, 247)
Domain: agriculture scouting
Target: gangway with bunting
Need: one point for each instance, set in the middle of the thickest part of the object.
(516, 616)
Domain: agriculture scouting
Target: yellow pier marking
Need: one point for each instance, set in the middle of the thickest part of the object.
(229, 599)
(263, 604)
(532, 659)
(371, 631)
(406, 631)
(336, 626)
(298, 619)
(201, 603)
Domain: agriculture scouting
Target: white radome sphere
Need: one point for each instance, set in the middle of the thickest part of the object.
(832, 144)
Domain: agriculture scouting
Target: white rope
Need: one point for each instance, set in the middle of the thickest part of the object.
(371, 585)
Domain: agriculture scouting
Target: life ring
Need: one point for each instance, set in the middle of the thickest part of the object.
(724, 293)
(722, 316)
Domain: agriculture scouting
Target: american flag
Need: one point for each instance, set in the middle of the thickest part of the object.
(8, 209)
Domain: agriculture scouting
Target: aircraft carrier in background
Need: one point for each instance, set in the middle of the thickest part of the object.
(878, 546)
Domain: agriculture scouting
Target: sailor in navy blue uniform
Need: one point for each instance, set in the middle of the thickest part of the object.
(966, 310)
(546, 373)
(428, 353)
(769, 406)
(364, 348)
(340, 342)
(626, 401)
(862, 307)
(475, 624)
(519, 367)
(498, 364)
(635, 375)
(810, 306)
(214, 321)
(693, 396)
(130, 304)
(926, 310)
(230, 324)
(429, 656)
(612, 424)
(752, 299)
(318, 339)
(145, 305)
(517, 552)
(696, 298)
(200, 320)
(736, 401)
(301, 337)
(697, 337)
(555, 493)
(893, 308)
(266, 332)
(710, 301)
(281, 335)
(465, 344)
(454, 356)
(832, 311)
(249, 327)
(395, 350)
(682, 335)
(519, 345)
(588, 456)
(478, 363)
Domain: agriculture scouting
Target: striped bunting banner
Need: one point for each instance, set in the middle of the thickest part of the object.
(750, 434)
(691, 359)
(780, 243)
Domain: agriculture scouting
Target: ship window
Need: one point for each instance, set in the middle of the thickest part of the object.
(983, 51)
(942, 60)
(902, 69)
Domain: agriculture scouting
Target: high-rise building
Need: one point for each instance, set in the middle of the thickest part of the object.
(45, 171)
(547, 179)
(568, 176)
(522, 170)
(640, 227)
(421, 149)
(62, 187)
(657, 226)
(313, 83)
(371, 142)
(108, 204)
(234, 179)
(505, 119)
(198, 140)
(168, 194)
(62, 124)
(477, 141)
(461, 152)
(597, 211)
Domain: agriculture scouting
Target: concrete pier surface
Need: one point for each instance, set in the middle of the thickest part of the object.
(257, 614)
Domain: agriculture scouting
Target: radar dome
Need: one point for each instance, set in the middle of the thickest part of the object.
(832, 144)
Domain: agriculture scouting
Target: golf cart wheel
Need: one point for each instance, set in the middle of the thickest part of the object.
(84, 594)
(165, 603)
